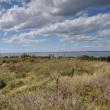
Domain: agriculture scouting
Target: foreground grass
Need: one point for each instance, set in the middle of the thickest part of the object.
(56, 84)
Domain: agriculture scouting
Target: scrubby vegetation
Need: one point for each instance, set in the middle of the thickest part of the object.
(42, 83)
(93, 58)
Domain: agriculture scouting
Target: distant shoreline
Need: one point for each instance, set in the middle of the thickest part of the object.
(64, 53)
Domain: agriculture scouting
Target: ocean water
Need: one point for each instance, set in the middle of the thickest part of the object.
(64, 54)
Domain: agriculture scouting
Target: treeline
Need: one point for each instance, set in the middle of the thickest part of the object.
(93, 58)
(33, 58)
(26, 58)
(21, 58)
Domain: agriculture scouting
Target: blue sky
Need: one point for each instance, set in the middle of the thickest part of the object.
(54, 25)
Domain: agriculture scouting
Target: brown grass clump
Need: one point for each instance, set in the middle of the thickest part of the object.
(41, 100)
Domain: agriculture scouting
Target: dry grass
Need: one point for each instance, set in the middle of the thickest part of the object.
(64, 84)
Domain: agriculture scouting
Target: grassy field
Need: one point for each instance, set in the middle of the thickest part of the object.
(31, 83)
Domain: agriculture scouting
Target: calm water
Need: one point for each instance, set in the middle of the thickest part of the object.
(66, 54)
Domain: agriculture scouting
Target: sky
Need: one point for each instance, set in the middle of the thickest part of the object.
(54, 25)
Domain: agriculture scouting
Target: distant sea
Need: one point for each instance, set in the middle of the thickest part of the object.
(64, 54)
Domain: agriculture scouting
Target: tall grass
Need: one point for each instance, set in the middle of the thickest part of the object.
(54, 84)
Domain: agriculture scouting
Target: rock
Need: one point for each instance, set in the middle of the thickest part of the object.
(2, 84)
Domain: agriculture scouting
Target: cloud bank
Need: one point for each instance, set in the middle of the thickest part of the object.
(55, 17)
